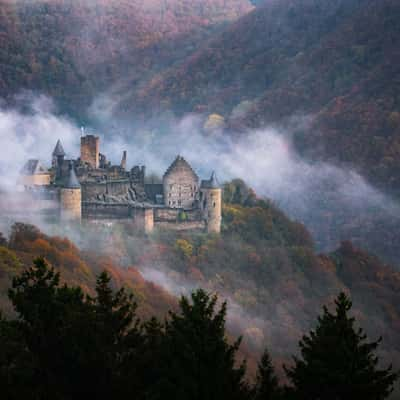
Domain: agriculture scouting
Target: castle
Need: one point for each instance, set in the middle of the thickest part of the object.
(90, 188)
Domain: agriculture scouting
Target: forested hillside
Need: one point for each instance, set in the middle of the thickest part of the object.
(334, 61)
(323, 73)
(264, 264)
(27, 243)
(73, 50)
(64, 343)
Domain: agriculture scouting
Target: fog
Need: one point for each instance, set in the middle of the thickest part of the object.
(323, 196)
(336, 204)
(31, 135)
(264, 159)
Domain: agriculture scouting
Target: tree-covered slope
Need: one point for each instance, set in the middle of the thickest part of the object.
(72, 50)
(333, 61)
(77, 268)
(263, 263)
(266, 266)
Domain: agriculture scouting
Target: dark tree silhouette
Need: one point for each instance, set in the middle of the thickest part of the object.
(338, 362)
(65, 344)
(201, 362)
(72, 343)
(267, 386)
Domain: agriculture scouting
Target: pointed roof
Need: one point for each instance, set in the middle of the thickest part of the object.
(211, 183)
(58, 150)
(180, 163)
(72, 182)
(33, 167)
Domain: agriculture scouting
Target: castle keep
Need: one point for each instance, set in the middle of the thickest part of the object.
(91, 188)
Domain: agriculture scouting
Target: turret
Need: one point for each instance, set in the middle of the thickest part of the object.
(211, 203)
(123, 161)
(58, 157)
(71, 198)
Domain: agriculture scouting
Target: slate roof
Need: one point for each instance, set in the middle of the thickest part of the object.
(72, 182)
(33, 167)
(58, 150)
(211, 183)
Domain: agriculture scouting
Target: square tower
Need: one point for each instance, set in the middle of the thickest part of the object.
(90, 150)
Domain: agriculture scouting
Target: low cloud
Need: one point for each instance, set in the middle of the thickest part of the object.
(31, 133)
(321, 195)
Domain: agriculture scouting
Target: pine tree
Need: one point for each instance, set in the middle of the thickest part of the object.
(144, 367)
(17, 366)
(199, 362)
(64, 343)
(338, 362)
(118, 337)
(50, 317)
(266, 387)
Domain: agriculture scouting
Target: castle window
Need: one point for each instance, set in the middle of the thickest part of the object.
(214, 204)
(179, 202)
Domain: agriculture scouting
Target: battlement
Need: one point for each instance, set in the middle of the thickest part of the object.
(90, 151)
(91, 188)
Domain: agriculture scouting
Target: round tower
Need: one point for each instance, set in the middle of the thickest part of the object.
(71, 198)
(211, 204)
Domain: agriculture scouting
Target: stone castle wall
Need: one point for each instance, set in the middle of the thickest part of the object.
(181, 226)
(90, 190)
(35, 180)
(98, 210)
(144, 219)
(173, 215)
(141, 219)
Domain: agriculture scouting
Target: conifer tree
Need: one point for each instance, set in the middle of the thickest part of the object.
(337, 362)
(66, 343)
(118, 336)
(266, 387)
(50, 317)
(200, 363)
(146, 361)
